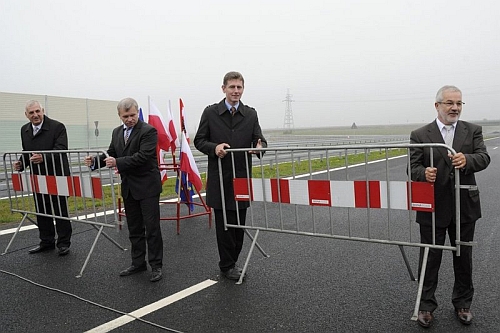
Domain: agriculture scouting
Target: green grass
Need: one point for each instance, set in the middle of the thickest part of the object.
(306, 166)
(270, 171)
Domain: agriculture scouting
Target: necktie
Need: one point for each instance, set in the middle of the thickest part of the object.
(448, 135)
(35, 130)
(127, 134)
(233, 111)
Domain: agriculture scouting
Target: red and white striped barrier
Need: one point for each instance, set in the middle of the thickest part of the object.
(355, 194)
(85, 187)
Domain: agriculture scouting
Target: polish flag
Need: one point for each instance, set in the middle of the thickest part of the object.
(156, 120)
(188, 165)
(174, 141)
(183, 121)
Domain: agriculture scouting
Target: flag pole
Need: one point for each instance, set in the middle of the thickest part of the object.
(171, 115)
(179, 178)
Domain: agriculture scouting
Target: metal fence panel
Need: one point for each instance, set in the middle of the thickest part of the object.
(337, 192)
(88, 198)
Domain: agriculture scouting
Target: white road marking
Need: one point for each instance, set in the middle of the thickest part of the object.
(152, 307)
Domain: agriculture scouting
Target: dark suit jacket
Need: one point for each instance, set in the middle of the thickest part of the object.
(52, 136)
(468, 139)
(239, 131)
(136, 161)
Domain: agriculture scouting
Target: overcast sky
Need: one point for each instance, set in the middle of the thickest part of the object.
(344, 61)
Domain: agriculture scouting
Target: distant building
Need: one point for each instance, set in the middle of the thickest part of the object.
(81, 117)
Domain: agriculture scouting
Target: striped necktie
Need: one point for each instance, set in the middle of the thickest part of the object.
(233, 111)
(127, 134)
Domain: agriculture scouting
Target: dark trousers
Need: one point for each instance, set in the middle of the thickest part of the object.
(463, 290)
(44, 204)
(230, 241)
(143, 221)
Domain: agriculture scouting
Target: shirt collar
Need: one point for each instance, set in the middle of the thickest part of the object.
(441, 125)
(229, 106)
(35, 126)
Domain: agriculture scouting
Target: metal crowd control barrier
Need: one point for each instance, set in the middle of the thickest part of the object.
(62, 176)
(358, 193)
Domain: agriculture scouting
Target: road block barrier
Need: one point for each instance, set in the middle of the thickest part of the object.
(62, 183)
(357, 193)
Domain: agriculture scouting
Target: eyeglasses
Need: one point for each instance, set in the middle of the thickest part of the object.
(450, 104)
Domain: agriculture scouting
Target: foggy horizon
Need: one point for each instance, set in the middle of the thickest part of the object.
(342, 62)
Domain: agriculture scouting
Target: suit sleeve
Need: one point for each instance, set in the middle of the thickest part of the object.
(98, 162)
(60, 138)
(479, 159)
(257, 134)
(202, 138)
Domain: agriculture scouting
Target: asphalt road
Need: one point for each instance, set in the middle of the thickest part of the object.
(307, 284)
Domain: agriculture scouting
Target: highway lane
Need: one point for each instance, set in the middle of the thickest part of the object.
(306, 285)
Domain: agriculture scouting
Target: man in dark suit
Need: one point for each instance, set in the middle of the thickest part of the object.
(133, 152)
(471, 157)
(228, 124)
(43, 133)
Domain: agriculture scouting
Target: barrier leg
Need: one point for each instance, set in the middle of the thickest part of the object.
(420, 284)
(178, 220)
(256, 244)
(254, 241)
(90, 252)
(110, 239)
(17, 231)
(405, 258)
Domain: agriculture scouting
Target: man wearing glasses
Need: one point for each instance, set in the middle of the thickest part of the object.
(467, 140)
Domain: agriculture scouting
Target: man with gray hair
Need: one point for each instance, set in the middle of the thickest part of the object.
(43, 133)
(471, 157)
(133, 152)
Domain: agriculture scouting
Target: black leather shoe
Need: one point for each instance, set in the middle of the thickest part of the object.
(41, 248)
(155, 275)
(464, 316)
(238, 268)
(232, 274)
(425, 318)
(133, 269)
(63, 250)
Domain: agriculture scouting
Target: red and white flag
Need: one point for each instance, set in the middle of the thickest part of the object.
(188, 165)
(174, 141)
(156, 120)
(183, 121)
